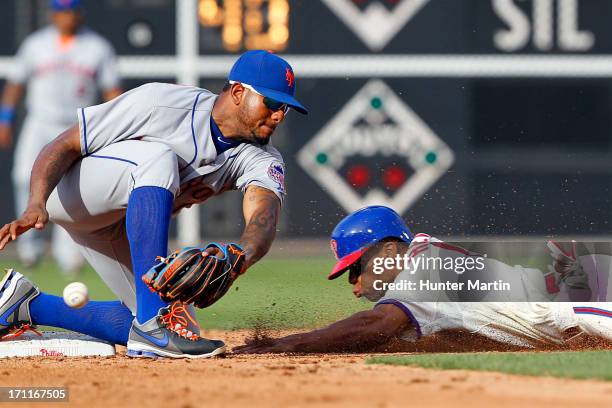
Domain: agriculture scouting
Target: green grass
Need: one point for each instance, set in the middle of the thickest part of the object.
(580, 365)
(276, 293)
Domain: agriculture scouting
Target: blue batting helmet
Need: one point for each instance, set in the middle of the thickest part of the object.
(362, 229)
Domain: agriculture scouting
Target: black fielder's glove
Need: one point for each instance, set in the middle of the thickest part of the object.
(197, 275)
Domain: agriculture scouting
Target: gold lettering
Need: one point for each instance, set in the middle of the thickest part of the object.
(250, 24)
(210, 13)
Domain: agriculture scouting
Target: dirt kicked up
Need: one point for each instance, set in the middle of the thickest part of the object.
(288, 381)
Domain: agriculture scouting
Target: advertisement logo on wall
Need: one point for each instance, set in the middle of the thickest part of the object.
(375, 22)
(376, 150)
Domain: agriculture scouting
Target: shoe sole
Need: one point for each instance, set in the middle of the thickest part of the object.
(143, 350)
(142, 354)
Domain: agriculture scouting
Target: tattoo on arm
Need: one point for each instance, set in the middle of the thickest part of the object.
(261, 227)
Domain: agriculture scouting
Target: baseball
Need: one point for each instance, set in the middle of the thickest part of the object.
(76, 295)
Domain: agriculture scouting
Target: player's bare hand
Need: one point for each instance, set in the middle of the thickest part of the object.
(233, 250)
(6, 136)
(213, 251)
(35, 216)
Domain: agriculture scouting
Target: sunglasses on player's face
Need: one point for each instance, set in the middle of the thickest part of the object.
(270, 103)
(275, 105)
(357, 268)
(354, 272)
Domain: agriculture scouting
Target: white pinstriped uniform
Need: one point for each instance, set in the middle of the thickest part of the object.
(524, 324)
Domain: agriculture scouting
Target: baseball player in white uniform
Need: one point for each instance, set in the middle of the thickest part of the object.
(378, 232)
(114, 180)
(63, 66)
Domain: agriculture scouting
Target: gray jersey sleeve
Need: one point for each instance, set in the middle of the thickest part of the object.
(108, 76)
(265, 169)
(22, 66)
(123, 118)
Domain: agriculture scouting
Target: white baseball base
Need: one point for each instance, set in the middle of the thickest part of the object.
(55, 344)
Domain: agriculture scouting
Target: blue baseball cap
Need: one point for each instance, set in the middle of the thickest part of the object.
(269, 75)
(62, 5)
(360, 230)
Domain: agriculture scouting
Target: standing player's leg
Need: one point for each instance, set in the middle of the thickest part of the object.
(65, 252)
(30, 246)
(598, 269)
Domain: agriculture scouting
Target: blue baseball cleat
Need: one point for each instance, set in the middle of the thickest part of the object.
(170, 334)
(16, 293)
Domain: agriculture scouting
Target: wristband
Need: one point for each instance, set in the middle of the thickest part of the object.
(7, 114)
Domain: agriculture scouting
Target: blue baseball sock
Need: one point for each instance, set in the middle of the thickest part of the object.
(110, 321)
(148, 222)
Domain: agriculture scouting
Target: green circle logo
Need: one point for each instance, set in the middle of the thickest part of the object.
(376, 102)
(322, 158)
(431, 157)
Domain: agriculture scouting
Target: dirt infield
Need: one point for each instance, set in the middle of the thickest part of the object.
(287, 381)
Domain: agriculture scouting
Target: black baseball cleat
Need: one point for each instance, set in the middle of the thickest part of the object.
(169, 335)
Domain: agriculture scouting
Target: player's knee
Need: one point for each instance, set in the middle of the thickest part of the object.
(160, 169)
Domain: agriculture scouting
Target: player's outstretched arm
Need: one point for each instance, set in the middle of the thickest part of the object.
(50, 165)
(359, 332)
(261, 209)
